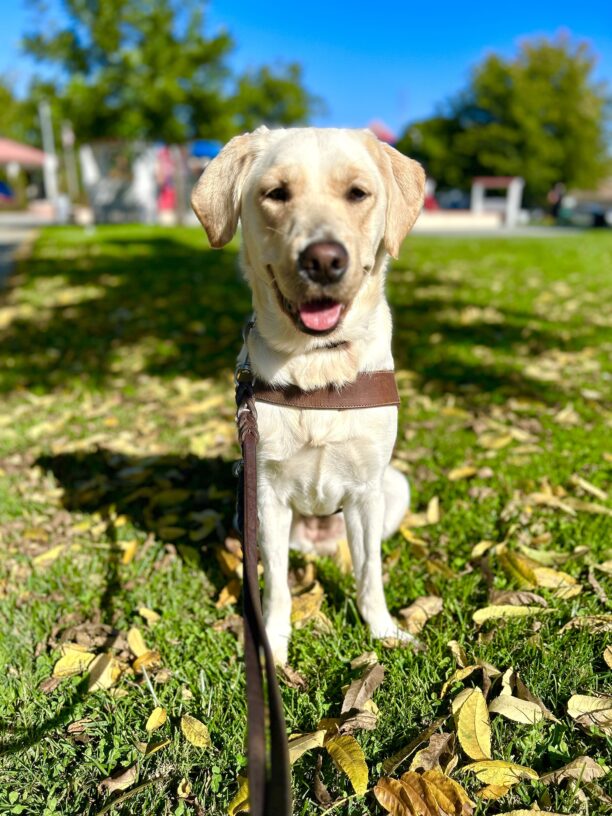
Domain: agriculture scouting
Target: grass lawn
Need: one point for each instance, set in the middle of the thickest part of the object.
(116, 495)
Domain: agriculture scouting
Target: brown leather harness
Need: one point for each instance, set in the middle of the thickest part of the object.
(268, 760)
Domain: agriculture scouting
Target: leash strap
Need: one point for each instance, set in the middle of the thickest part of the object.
(268, 772)
(371, 389)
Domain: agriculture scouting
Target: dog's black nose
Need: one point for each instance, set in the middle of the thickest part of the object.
(324, 262)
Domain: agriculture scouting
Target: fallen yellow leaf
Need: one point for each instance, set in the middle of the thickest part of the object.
(74, 660)
(348, 757)
(156, 719)
(195, 731)
(506, 611)
(513, 708)
(473, 728)
(300, 743)
(500, 772)
(136, 642)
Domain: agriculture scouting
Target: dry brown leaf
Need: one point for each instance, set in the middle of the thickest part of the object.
(120, 780)
(523, 693)
(607, 656)
(300, 743)
(291, 677)
(428, 758)
(565, 585)
(500, 772)
(458, 653)
(393, 762)
(306, 605)
(321, 794)
(420, 611)
(472, 723)
(360, 721)
(365, 659)
(156, 719)
(535, 812)
(432, 794)
(195, 731)
(229, 594)
(588, 710)
(581, 769)
(516, 597)
(513, 708)
(149, 660)
(362, 689)
(458, 675)
(593, 623)
(349, 758)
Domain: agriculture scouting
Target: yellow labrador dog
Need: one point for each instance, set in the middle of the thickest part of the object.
(321, 210)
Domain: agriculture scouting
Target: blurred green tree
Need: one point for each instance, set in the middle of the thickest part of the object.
(146, 70)
(13, 124)
(540, 115)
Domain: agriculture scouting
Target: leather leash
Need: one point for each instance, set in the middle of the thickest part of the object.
(268, 763)
(268, 772)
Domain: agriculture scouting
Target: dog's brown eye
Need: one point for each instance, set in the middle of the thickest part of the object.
(278, 194)
(356, 194)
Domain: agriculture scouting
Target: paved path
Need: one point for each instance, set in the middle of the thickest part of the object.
(15, 229)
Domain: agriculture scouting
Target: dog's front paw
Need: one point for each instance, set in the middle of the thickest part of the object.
(279, 644)
(389, 629)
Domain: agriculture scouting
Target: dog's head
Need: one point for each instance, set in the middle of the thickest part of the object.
(318, 207)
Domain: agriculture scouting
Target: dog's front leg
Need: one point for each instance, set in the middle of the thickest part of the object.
(274, 527)
(364, 518)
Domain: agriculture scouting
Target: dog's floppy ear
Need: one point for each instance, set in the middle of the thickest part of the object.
(216, 196)
(405, 181)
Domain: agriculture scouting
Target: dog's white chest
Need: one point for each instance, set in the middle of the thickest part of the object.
(311, 459)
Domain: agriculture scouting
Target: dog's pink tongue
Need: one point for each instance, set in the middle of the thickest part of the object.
(320, 315)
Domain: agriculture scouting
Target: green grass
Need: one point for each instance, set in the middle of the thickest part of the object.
(118, 348)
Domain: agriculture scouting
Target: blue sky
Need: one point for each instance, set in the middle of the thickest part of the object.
(380, 60)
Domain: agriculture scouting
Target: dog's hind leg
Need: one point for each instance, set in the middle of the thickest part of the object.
(397, 500)
(274, 526)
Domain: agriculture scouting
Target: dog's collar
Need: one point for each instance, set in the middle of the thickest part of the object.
(371, 389)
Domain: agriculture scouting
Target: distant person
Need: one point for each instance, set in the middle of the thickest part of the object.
(555, 198)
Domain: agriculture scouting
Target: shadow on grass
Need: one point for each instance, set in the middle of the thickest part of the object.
(185, 500)
(149, 491)
(181, 308)
(185, 304)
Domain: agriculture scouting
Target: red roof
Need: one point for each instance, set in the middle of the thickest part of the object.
(11, 151)
(495, 182)
(382, 132)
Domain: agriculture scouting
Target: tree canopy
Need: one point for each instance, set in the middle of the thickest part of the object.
(147, 70)
(540, 115)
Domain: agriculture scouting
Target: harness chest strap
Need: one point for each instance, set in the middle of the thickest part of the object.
(371, 389)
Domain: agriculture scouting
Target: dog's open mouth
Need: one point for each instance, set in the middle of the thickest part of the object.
(319, 316)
